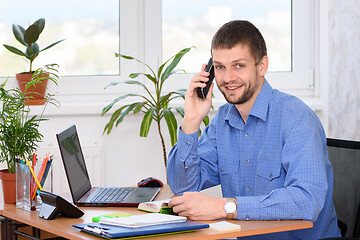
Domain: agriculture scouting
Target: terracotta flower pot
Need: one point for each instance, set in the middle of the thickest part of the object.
(8, 181)
(36, 92)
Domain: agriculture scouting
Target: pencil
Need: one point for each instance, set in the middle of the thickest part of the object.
(40, 176)
(34, 176)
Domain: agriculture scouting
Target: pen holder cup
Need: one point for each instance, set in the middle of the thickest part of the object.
(27, 197)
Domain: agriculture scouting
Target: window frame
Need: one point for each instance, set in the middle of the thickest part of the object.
(144, 43)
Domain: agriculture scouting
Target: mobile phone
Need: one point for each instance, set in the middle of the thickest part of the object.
(202, 92)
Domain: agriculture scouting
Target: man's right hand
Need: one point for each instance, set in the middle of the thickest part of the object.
(196, 108)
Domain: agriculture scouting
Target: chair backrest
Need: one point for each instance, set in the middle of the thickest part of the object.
(344, 156)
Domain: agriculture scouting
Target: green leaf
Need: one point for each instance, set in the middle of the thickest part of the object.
(51, 45)
(181, 111)
(174, 63)
(108, 107)
(41, 24)
(206, 120)
(146, 122)
(133, 82)
(126, 82)
(149, 76)
(172, 125)
(164, 100)
(138, 108)
(124, 56)
(31, 34)
(113, 118)
(19, 32)
(33, 52)
(131, 58)
(15, 50)
(131, 107)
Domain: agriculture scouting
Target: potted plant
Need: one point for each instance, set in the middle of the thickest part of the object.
(28, 38)
(19, 131)
(155, 105)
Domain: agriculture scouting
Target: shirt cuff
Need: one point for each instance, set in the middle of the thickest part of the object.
(187, 144)
(248, 208)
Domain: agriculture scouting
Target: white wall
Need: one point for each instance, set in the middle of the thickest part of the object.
(128, 158)
(344, 73)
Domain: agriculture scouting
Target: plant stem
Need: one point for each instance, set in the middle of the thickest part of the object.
(162, 143)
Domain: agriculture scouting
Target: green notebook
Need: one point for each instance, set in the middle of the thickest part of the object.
(111, 215)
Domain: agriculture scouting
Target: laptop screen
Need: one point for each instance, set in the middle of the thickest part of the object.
(74, 163)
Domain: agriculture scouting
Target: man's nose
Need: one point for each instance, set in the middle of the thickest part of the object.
(229, 75)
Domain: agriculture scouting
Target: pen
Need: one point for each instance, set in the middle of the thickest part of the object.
(97, 230)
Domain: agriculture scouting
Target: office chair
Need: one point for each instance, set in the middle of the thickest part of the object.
(344, 156)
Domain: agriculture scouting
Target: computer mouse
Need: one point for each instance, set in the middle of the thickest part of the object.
(150, 182)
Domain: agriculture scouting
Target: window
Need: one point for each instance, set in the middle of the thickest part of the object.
(146, 28)
(91, 30)
(184, 26)
(291, 59)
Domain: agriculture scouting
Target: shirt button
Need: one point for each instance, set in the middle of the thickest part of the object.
(247, 161)
(248, 189)
(188, 143)
(247, 218)
(221, 169)
(246, 134)
(270, 176)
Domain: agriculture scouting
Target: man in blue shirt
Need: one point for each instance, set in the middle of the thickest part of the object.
(266, 148)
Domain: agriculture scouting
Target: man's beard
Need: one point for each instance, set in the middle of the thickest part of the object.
(247, 94)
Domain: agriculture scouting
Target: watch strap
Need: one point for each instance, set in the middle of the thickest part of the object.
(231, 215)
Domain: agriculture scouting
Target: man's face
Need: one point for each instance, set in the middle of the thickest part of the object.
(237, 75)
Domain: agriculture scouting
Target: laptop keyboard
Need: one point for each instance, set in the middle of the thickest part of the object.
(109, 195)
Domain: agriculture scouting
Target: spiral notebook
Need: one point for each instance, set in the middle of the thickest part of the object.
(143, 220)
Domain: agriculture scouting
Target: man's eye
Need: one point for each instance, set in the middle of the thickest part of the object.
(219, 67)
(239, 66)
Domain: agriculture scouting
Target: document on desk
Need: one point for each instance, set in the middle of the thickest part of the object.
(143, 220)
(110, 231)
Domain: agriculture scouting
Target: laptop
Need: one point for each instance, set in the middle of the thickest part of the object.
(83, 194)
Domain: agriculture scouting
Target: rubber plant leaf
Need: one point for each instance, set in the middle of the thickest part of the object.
(19, 32)
(33, 52)
(15, 50)
(41, 24)
(31, 34)
(51, 45)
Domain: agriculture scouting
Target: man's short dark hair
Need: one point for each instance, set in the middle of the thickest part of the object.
(240, 32)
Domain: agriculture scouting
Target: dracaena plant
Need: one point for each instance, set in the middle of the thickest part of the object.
(154, 104)
(28, 38)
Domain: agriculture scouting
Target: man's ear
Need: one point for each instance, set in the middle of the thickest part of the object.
(263, 65)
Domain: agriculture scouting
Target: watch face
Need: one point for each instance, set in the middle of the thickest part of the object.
(230, 207)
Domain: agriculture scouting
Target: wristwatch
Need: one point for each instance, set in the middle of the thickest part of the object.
(230, 208)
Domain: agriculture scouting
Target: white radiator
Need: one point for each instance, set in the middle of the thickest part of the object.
(94, 158)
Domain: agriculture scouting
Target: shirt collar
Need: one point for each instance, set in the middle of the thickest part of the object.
(261, 104)
(259, 109)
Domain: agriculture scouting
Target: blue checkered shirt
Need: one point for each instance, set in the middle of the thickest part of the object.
(276, 165)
